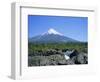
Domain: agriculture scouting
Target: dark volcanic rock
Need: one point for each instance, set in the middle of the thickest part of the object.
(76, 57)
(81, 59)
(69, 62)
(57, 57)
(74, 53)
(71, 53)
(62, 62)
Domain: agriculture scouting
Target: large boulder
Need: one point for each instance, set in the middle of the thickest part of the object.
(74, 53)
(81, 59)
(69, 62)
(62, 62)
(71, 53)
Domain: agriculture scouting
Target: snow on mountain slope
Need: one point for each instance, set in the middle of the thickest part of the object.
(51, 36)
(53, 31)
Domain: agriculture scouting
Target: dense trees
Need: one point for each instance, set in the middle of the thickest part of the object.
(34, 48)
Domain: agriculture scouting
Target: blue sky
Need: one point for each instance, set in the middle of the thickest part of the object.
(73, 27)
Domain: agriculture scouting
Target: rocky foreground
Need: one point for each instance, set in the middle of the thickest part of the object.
(57, 57)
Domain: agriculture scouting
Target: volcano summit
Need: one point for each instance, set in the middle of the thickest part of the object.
(51, 36)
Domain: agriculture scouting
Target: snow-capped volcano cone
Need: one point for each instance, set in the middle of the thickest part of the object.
(51, 36)
(53, 31)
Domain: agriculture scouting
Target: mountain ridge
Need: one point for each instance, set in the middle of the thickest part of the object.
(51, 36)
